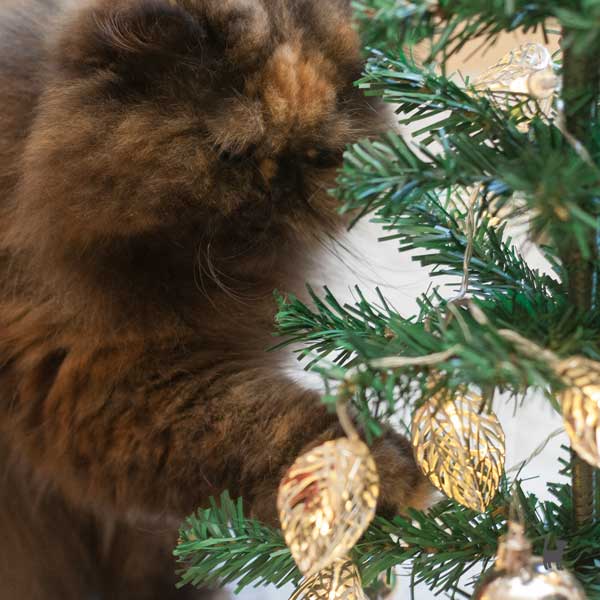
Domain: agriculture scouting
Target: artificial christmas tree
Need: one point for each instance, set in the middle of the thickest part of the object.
(522, 140)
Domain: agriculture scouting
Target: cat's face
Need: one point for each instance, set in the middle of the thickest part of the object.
(228, 111)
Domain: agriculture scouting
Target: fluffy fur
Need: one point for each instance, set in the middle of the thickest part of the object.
(164, 165)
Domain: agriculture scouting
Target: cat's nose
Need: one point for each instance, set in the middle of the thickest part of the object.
(268, 169)
(287, 184)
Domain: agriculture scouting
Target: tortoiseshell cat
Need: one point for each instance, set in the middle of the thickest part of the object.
(164, 166)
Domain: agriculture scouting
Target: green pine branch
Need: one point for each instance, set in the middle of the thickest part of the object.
(481, 143)
(434, 230)
(356, 334)
(450, 24)
(420, 92)
(386, 23)
(559, 187)
(221, 545)
(324, 329)
(512, 295)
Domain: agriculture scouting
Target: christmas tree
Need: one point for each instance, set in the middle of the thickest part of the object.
(522, 142)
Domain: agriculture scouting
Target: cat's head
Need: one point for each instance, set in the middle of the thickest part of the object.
(228, 112)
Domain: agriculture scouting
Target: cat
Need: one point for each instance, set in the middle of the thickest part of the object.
(164, 166)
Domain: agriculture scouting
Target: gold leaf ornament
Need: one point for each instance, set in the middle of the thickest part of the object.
(326, 501)
(580, 402)
(459, 450)
(339, 581)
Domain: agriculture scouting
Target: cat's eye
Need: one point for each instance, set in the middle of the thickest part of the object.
(233, 158)
(323, 158)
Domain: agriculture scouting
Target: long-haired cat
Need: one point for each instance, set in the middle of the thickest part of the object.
(164, 166)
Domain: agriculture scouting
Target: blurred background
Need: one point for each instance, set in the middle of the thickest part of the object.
(371, 264)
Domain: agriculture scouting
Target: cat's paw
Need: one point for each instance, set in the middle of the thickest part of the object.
(402, 483)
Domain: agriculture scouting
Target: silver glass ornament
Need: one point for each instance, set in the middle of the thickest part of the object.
(525, 70)
(518, 575)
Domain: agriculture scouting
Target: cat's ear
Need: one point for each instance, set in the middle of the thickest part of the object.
(345, 5)
(120, 34)
(242, 27)
(334, 7)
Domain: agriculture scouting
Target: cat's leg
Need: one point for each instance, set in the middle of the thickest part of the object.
(138, 564)
(50, 551)
(46, 548)
(162, 431)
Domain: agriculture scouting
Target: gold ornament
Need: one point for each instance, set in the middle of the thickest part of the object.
(580, 403)
(326, 502)
(459, 450)
(339, 581)
(528, 69)
(517, 575)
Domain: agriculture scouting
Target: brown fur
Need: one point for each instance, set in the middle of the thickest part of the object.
(164, 165)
